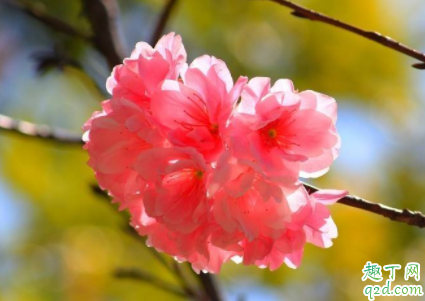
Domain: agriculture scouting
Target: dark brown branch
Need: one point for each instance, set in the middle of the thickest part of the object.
(162, 21)
(303, 12)
(420, 66)
(29, 129)
(412, 218)
(50, 21)
(210, 286)
(140, 275)
(102, 15)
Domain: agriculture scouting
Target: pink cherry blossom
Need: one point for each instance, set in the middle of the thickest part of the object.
(176, 192)
(272, 253)
(114, 138)
(284, 129)
(196, 247)
(311, 223)
(209, 168)
(247, 201)
(320, 227)
(141, 73)
(196, 112)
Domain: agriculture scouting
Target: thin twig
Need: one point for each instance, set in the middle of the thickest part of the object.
(303, 12)
(29, 129)
(48, 20)
(140, 275)
(102, 15)
(412, 218)
(162, 21)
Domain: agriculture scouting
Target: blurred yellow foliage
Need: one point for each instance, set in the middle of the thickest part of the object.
(72, 240)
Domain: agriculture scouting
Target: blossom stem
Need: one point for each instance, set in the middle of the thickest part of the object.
(412, 218)
(303, 12)
(210, 286)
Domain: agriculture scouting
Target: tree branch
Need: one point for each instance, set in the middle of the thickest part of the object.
(50, 21)
(303, 12)
(210, 286)
(162, 21)
(412, 218)
(29, 129)
(102, 15)
(140, 275)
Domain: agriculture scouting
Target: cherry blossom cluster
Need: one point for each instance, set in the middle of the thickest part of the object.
(209, 169)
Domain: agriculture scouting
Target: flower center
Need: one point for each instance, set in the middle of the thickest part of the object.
(214, 128)
(272, 133)
(199, 174)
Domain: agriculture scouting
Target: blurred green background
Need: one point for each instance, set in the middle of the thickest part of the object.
(60, 241)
